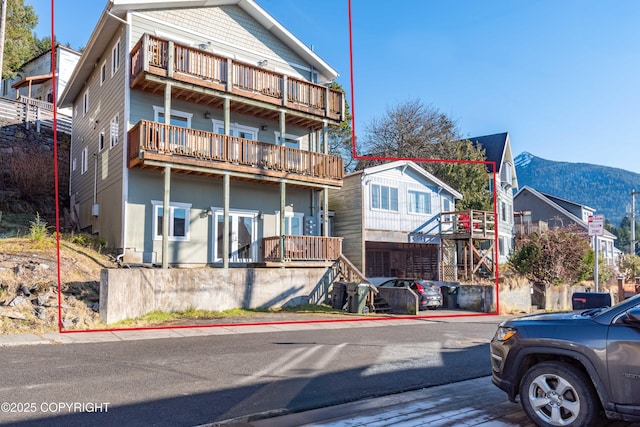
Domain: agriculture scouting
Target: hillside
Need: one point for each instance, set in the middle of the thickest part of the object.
(28, 285)
(605, 189)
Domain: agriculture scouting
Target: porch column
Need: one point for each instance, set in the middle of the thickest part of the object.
(165, 216)
(167, 106)
(227, 115)
(283, 193)
(283, 127)
(325, 211)
(225, 219)
(167, 89)
(325, 136)
(170, 60)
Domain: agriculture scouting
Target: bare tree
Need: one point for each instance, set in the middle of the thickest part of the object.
(413, 130)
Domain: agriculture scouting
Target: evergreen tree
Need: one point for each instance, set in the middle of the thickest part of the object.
(20, 42)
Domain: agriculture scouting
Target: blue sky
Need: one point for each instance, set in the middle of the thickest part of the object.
(562, 77)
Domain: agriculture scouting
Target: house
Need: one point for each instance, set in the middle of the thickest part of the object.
(389, 217)
(200, 136)
(536, 211)
(35, 80)
(497, 149)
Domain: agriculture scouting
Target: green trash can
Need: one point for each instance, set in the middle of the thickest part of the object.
(363, 296)
(358, 294)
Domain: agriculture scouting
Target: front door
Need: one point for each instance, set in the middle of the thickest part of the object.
(243, 238)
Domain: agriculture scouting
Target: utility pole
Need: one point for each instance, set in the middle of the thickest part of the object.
(3, 25)
(632, 250)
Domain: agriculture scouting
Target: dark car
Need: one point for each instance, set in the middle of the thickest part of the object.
(429, 294)
(570, 369)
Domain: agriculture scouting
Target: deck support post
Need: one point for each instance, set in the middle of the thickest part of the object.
(165, 216)
(225, 218)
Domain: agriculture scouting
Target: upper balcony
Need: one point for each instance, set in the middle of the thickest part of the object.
(202, 77)
(152, 145)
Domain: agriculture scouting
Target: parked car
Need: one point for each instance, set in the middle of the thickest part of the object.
(429, 294)
(571, 368)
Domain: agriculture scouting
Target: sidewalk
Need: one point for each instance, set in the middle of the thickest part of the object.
(474, 402)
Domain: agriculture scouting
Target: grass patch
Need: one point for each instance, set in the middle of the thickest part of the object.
(160, 317)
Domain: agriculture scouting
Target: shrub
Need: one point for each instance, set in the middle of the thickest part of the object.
(38, 229)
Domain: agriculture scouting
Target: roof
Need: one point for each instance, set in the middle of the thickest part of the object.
(32, 80)
(559, 199)
(116, 11)
(493, 145)
(413, 166)
(549, 201)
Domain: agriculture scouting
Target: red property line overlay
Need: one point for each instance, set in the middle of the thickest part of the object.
(355, 156)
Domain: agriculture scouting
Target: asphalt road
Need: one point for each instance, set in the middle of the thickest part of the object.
(197, 380)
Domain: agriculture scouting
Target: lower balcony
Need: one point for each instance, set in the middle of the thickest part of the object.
(301, 248)
(152, 144)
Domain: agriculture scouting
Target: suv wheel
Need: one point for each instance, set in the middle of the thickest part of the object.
(556, 394)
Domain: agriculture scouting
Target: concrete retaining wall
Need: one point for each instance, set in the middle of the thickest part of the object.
(401, 300)
(477, 298)
(131, 293)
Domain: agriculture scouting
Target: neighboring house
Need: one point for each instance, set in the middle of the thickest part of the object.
(35, 80)
(200, 136)
(390, 218)
(535, 207)
(497, 149)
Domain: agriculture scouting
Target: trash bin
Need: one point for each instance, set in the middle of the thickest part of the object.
(586, 300)
(357, 295)
(452, 297)
(338, 295)
(352, 297)
(362, 297)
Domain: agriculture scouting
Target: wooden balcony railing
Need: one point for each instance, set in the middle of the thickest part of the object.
(302, 248)
(209, 146)
(152, 54)
(471, 223)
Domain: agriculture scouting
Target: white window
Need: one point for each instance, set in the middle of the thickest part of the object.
(178, 118)
(85, 160)
(235, 129)
(419, 202)
(101, 141)
(291, 141)
(384, 198)
(114, 130)
(85, 103)
(115, 58)
(74, 164)
(293, 223)
(446, 205)
(103, 73)
(179, 219)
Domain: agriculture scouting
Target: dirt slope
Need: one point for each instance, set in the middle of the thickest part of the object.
(28, 285)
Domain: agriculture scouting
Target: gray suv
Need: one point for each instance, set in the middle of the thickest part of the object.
(570, 369)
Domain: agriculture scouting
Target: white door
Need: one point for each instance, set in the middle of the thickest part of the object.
(243, 237)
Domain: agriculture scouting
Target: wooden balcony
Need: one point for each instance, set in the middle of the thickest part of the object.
(152, 144)
(202, 77)
(302, 248)
(467, 225)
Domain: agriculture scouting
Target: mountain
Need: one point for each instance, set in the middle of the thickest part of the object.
(605, 189)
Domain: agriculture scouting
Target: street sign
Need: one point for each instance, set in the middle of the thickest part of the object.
(596, 225)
